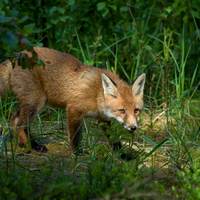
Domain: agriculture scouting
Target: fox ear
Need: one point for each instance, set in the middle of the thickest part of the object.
(138, 85)
(109, 86)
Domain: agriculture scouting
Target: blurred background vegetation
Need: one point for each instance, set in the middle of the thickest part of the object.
(123, 35)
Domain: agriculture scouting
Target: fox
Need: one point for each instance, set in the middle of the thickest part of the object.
(65, 82)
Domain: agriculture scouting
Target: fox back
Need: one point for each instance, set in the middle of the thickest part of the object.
(66, 82)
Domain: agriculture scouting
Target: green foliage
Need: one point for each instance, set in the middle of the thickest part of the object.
(188, 184)
(102, 179)
(132, 32)
(13, 30)
(16, 185)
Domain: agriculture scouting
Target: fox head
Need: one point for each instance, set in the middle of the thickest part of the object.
(123, 102)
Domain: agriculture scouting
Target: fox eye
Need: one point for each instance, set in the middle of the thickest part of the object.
(136, 111)
(122, 111)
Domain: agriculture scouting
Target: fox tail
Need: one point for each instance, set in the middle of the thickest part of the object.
(5, 74)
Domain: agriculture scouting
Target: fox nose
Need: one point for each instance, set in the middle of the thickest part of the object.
(133, 128)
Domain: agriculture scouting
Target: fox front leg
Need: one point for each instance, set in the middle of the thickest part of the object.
(114, 145)
(74, 122)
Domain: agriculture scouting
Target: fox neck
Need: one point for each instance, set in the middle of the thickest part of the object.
(100, 116)
(100, 112)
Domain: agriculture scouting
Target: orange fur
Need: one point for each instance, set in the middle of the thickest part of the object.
(67, 83)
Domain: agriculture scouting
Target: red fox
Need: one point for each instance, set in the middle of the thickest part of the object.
(66, 82)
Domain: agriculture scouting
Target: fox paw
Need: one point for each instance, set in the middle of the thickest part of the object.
(41, 148)
(78, 152)
(130, 155)
(126, 157)
(117, 146)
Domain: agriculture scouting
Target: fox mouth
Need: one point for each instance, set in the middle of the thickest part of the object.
(132, 129)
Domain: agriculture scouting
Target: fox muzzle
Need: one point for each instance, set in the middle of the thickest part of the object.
(133, 128)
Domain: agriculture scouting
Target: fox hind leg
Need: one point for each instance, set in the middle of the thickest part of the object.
(14, 122)
(20, 120)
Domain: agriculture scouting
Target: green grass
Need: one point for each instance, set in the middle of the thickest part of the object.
(101, 173)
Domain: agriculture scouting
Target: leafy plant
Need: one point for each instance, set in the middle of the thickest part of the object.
(188, 185)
